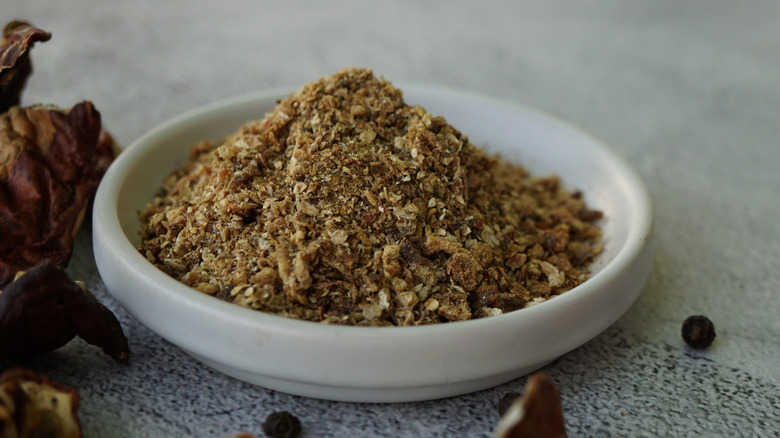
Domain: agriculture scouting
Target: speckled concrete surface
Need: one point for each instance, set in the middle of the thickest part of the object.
(687, 92)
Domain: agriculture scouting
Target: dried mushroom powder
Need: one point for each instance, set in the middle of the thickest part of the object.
(345, 205)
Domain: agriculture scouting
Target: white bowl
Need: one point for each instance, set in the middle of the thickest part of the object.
(370, 364)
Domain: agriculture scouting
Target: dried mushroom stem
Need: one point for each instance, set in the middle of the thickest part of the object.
(33, 405)
(44, 309)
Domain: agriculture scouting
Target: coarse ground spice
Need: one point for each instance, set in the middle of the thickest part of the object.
(344, 205)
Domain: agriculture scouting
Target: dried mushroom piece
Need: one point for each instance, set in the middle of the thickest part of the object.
(43, 309)
(51, 161)
(538, 413)
(33, 405)
(15, 65)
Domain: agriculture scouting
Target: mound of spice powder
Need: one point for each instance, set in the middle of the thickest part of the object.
(344, 205)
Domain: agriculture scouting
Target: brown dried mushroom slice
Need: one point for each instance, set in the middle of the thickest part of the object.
(43, 309)
(537, 413)
(15, 65)
(33, 405)
(51, 161)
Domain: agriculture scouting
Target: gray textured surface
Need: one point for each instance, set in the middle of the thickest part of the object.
(687, 92)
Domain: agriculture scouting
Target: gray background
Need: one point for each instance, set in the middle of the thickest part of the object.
(688, 92)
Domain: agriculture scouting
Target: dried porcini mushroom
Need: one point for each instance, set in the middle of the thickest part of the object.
(33, 405)
(15, 66)
(43, 309)
(537, 413)
(51, 161)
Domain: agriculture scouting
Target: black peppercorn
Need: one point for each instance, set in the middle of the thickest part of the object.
(698, 331)
(282, 424)
(506, 401)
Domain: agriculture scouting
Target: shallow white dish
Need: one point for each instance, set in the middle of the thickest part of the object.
(380, 364)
